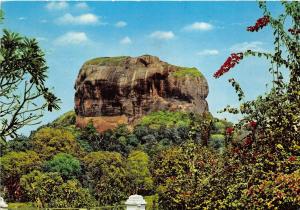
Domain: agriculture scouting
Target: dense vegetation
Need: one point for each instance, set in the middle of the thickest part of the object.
(182, 160)
(84, 168)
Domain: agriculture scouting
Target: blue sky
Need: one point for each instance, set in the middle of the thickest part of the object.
(193, 34)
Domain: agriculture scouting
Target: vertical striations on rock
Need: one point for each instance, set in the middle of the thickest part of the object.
(114, 90)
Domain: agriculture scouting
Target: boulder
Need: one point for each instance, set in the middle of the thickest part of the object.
(114, 90)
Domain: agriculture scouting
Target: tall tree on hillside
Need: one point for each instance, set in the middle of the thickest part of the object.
(23, 93)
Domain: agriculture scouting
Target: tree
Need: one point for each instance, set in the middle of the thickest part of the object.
(274, 116)
(71, 194)
(106, 175)
(90, 137)
(13, 166)
(51, 141)
(18, 144)
(262, 170)
(181, 175)
(49, 190)
(138, 165)
(65, 164)
(23, 72)
(216, 141)
(41, 187)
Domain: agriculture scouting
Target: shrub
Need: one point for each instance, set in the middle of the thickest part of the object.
(49, 190)
(137, 166)
(41, 187)
(166, 118)
(18, 144)
(65, 164)
(71, 194)
(106, 176)
(48, 142)
(181, 175)
(13, 166)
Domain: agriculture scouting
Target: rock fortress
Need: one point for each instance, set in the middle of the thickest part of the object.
(120, 90)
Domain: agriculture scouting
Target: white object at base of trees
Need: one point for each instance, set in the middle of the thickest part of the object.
(2, 204)
(135, 202)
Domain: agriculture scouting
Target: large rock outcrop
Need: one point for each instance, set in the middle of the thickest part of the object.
(114, 90)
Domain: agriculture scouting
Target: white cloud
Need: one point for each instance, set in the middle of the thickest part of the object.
(82, 5)
(84, 19)
(57, 5)
(44, 21)
(198, 26)
(21, 18)
(121, 24)
(126, 40)
(163, 35)
(208, 52)
(244, 46)
(71, 38)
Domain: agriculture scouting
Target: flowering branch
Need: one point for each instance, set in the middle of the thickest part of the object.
(260, 23)
(229, 63)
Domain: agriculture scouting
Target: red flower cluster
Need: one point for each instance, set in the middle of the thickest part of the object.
(252, 124)
(229, 63)
(292, 158)
(294, 31)
(248, 141)
(260, 23)
(229, 130)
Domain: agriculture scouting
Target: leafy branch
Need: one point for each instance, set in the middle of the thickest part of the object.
(23, 94)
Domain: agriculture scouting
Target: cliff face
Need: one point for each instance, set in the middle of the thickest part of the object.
(117, 90)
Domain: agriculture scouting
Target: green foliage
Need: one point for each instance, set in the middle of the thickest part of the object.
(181, 175)
(23, 93)
(262, 170)
(200, 127)
(13, 166)
(217, 141)
(152, 202)
(118, 140)
(50, 141)
(49, 190)
(278, 190)
(106, 176)
(65, 120)
(147, 137)
(218, 137)
(65, 164)
(18, 144)
(22, 205)
(153, 140)
(107, 60)
(175, 155)
(138, 165)
(219, 126)
(89, 138)
(152, 134)
(71, 194)
(166, 118)
(187, 72)
(41, 187)
(277, 111)
(122, 140)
